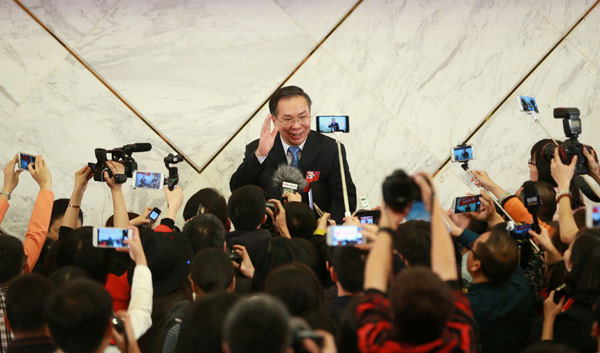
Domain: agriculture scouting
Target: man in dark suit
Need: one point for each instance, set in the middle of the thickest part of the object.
(292, 142)
(334, 126)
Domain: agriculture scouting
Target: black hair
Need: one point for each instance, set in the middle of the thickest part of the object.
(259, 324)
(499, 256)
(66, 275)
(212, 270)
(286, 92)
(413, 242)
(25, 298)
(547, 194)
(280, 251)
(78, 315)
(12, 257)
(59, 208)
(205, 231)
(583, 281)
(298, 288)
(346, 339)
(300, 219)
(421, 304)
(349, 266)
(247, 207)
(207, 200)
(202, 326)
(399, 190)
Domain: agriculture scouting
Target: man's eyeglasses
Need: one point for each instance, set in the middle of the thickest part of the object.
(291, 121)
(530, 162)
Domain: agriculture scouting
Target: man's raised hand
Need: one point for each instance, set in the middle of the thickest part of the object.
(267, 137)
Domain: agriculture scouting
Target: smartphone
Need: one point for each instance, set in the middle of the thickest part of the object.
(25, 159)
(520, 232)
(528, 104)
(153, 216)
(368, 216)
(148, 180)
(344, 235)
(333, 123)
(462, 153)
(465, 204)
(418, 212)
(111, 237)
(592, 218)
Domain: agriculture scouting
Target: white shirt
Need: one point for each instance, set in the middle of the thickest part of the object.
(288, 154)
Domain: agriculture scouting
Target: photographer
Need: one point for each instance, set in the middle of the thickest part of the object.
(37, 230)
(428, 309)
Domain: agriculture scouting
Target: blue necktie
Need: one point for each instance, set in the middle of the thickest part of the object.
(294, 150)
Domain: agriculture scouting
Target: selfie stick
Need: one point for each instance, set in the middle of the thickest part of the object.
(533, 114)
(344, 188)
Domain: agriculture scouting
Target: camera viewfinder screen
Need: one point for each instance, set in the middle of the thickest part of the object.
(25, 160)
(148, 180)
(467, 204)
(333, 124)
(528, 104)
(595, 216)
(111, 237)
(462, 154)
(345, 235)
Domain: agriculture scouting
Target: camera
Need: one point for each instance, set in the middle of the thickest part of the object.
(571, 147)
(121, 155)
(173, 177)
(399, 190)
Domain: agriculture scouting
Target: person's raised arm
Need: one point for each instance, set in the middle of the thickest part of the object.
(592, 161)
(11, 180)
(174, 201)
(37, 230)
(443, 260)
(121, 218)
(562, 174)
(484, 180)
(82, 176)
(379, 262)
(279, 219)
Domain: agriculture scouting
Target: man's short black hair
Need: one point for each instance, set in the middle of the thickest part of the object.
(413, 242)
(78, 315)
(212, 270)
(421, 304)
(247, 207)
(259, 324)
(59, 207)
(300, 219)
(202, 326)
(499, 256)
(205, 231)
(349, 265)
(207, 200)
(286, 92)
(12, 257)
(25, 299)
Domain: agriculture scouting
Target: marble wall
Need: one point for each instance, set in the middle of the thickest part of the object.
(416, 77)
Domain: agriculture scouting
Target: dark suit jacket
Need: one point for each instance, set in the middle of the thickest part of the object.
(319, 154)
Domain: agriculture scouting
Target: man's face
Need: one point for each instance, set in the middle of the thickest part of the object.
(471, 257)
(293, 119)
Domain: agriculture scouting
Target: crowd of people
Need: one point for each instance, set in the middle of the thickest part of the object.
(255, 274)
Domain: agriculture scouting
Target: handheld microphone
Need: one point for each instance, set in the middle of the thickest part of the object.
(138, 147)
(532, 201)
(288, 179)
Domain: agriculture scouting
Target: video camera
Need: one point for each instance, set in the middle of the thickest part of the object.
(399, 190)
(571, 147)
(121, 155)
(173, 177)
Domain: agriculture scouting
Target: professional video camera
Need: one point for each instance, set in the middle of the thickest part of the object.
(399, 190)
(173, 177)
(571, 147)
(121, 155)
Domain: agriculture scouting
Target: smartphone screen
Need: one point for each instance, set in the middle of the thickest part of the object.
(110, 237)
(368, 216)
(467, 204)
(418, 212)
(25, 160)
(148, 180)
(521, 232)
(344, 235)
(528, 104)
(593, 217)
(333, 123)
(154, 214)
(461, 154)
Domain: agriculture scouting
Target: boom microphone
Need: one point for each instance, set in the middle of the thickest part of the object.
(288, 179)
(138, 147)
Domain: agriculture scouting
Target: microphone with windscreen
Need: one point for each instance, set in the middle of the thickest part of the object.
(532, 201)
(288, 179)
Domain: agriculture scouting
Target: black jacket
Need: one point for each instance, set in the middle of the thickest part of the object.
(319, 154)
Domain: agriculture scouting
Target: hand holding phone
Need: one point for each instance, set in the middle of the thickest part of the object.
(464, 204)
(368, 216)
(153, 216)
(344, 235)
(25, 160)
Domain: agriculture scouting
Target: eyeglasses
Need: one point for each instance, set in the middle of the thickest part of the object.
(290, 121)
(470, 248)
(530, 162)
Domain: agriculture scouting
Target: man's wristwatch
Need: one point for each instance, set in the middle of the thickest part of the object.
(5, 193)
